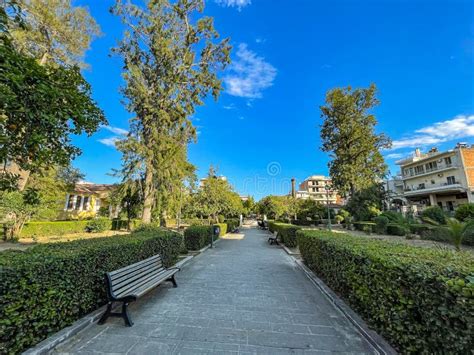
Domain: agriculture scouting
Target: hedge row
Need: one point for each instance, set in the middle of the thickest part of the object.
(49, 286)
(420, 299)
(43, 229)
(365, 226)
(286, 232)
(232, 224)
(197, 237)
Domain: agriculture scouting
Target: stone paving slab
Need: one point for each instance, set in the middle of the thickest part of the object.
(242, 297)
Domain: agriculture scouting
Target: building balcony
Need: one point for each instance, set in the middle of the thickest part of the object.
(430, 171)
(434, 188)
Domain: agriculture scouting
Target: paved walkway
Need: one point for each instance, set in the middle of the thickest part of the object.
(243, 297)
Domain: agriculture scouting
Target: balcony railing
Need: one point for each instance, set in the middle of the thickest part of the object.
(431, 186)
(427, 171)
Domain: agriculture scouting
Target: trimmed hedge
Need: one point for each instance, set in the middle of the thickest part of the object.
(197, 237)
(420, 299)
(304, 222)
(381, 224)
(397, 229)
(98, 225)
(49, 286)
(419, 228)
(223, 228)
(286, 232)
(44, 229)
(121, 224)
(232, 224)
(440, 234)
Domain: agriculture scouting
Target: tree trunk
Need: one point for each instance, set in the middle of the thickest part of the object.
(148, 198)
(23, 175)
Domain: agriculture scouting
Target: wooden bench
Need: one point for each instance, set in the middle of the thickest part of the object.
(273, 238)
(133, 281)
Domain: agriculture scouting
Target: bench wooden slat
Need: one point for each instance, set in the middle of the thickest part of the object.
(136, 271)
(120, 272)
(144, 289)
(128, 289)
(116, 284)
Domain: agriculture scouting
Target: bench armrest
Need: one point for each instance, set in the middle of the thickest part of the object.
(174, 268)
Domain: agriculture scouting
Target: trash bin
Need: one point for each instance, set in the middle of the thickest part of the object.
(216, 232)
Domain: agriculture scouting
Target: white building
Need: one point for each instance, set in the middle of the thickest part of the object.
(314, 187)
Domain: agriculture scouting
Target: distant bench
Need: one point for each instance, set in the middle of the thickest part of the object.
(133, 281)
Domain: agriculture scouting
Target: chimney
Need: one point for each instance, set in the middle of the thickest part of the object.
(293, 190)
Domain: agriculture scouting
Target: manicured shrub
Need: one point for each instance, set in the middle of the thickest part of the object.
(232, 224)
(197, 237)
(397, 229)
(286, 232)
(304, 222)
(464, 212)
(49, 286)
(381, 223)
(364, 226)
(97, 225)
(45, 229)
(435, 213)
(394, 217)
(420, 299)
(121, 224)
(272, 225)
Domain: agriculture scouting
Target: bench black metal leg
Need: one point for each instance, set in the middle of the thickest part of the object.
(106, 313)
(173, 280)
(125, 315)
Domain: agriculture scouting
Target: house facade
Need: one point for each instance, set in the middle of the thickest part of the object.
(87, 199)
(314, 187)
(444, 179)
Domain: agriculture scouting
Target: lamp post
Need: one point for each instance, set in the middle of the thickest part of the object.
(327, 187)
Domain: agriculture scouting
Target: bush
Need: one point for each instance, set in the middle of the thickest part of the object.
(49, 286)
(197, 237)
(420, 299)
(232, 224)
(438, 234)
(98, 225)
(397, 229)
(304, 222)
(364, 226)
(45, 229)
(121, 224)
(394, 217)
(286, 232)
(464, 212)
(223, 228)
(419, 228)
(435, 213)
(381, 223)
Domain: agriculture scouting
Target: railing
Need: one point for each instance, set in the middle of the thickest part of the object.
(427, 171)
(430, 186)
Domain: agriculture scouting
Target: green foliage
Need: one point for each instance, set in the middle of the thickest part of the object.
(311, 210)
(434, 213)
(348, 134)
(366, 204)
(66, 281)
(197, 237)
(45, 229)
(394, 217)
(381, 223)
(419, 228)
(222, 228)
(249, 206)
(286, 232)
(273, 207)
(232, 224)
(464, 212)
(123, 224)
(364, 226)
(419, 299)
(97, 225)
(397, 229)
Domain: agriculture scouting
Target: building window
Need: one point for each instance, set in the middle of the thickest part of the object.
(431, 166)
(451, 180)
(419, 169)
(85, 204)
(78, 202)
(448, 161)
(70, 202)
(421, 186)
(450, 205)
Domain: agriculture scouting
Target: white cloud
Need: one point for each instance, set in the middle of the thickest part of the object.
(116, 130)
(110, 142)
(260, 40)
(241, 117)
(239, 4)
(229, 107)
(394, 156)
(249, 74)
(459, 127)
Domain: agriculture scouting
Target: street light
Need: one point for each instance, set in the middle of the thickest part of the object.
(327, 187)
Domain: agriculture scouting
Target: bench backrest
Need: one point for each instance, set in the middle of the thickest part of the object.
(130, 277)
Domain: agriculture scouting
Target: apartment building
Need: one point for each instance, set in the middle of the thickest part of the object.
(314, 187)
(445, 179)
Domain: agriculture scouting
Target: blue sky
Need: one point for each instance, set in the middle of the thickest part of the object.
(264, 129)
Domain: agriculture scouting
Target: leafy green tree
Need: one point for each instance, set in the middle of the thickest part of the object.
(40, 108)
(434, 213)
(171, 58)
(348, 134)
(464, 212)
(56, 31)
(366, 203)
(310, 209)
(215, 197)
(273, 207)
(249, 205)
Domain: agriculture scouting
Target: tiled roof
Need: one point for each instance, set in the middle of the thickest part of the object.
(89, 188)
